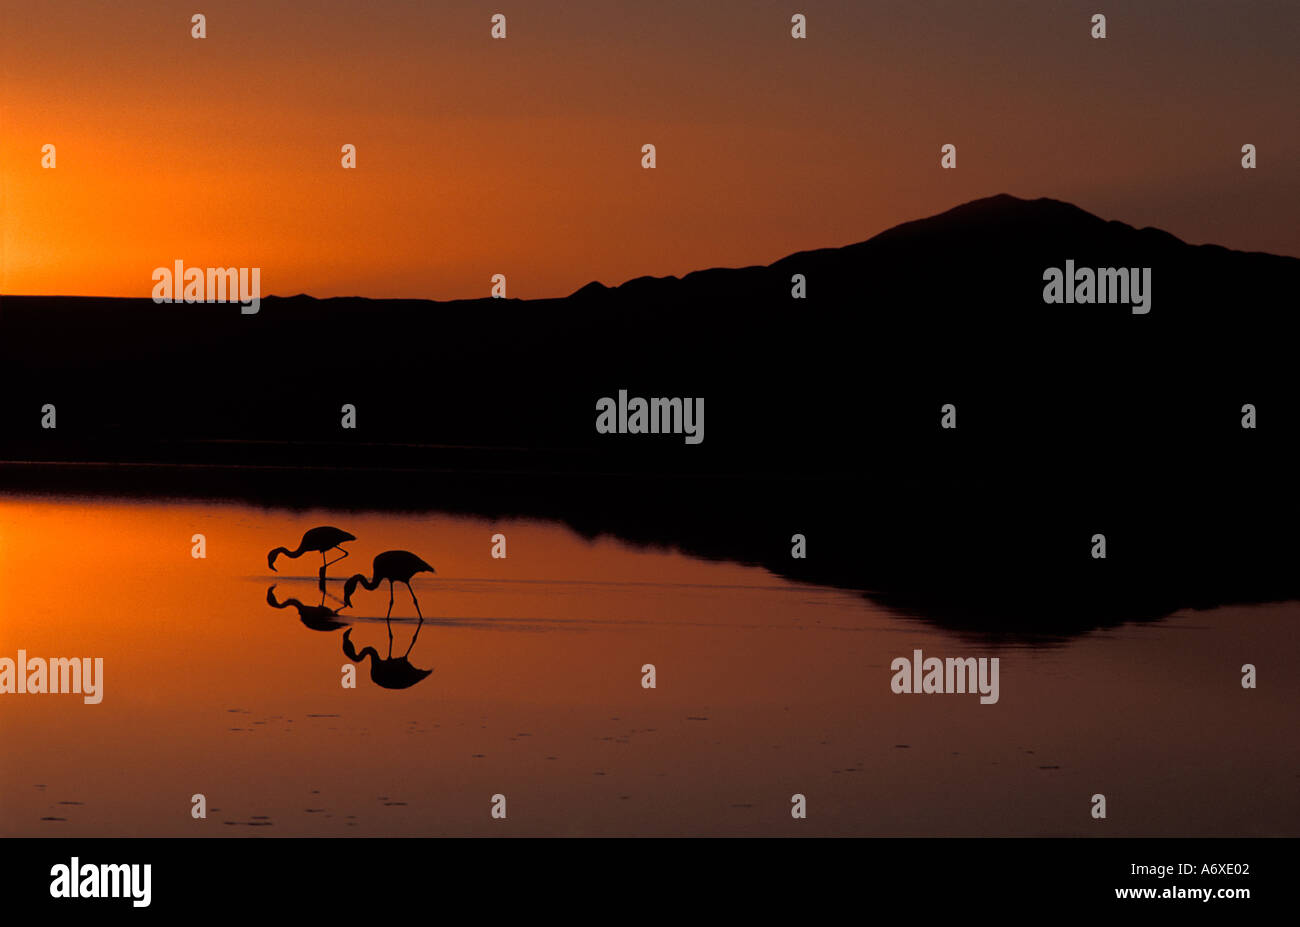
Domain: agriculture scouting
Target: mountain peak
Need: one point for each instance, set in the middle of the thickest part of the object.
(594, 288)
(1005, 209)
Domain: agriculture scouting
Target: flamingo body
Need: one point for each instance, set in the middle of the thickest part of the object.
(395, 566)
(321, 539)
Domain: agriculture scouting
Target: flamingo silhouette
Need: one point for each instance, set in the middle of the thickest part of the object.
(317, 617)
(318, 539)
(390, 673)
(396, 566)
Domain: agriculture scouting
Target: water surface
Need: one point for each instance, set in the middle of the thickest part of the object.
(765, 688)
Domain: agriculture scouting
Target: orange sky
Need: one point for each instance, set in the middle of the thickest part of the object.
(522, 156)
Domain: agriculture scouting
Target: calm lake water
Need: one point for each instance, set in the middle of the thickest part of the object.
(765, 688)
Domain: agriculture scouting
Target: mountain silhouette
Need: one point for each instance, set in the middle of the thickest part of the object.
(822, 414)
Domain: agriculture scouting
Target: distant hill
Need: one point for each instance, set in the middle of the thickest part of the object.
(927, 310)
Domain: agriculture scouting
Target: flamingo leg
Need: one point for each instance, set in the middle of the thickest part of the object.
(388, 618)
(413, 638)
(323, 565)
(336, 559)
(418, 612)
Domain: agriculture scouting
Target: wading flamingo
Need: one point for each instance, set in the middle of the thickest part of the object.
(318, 539)
(396, 566)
